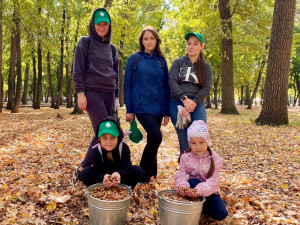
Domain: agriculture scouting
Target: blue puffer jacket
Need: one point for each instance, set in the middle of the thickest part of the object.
(150, 92)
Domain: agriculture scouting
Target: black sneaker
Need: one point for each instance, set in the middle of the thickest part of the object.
(75, 178)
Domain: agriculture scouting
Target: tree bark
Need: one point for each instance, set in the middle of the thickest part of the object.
(208, 103)
(242, 95)
(50, 81)
(108, 3)
(17, 100)
(274, 110)
(68, 72)
(61, 64)
(76, 109)
(247, 95)
(1, 55)
(216, 91)
(261, 69)
(228, 104)
(34, 77)
(39, 93)
(25, 89)
(11, 76)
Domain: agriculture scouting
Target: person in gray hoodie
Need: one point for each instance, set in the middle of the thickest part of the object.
(95, 73)
(190, 81)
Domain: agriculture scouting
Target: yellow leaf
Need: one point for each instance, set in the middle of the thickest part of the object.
(149, 220)
(31, 177)
(153, 211)
(51, 206)
(285, 186)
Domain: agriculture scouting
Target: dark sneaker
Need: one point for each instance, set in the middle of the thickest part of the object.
(75, 178)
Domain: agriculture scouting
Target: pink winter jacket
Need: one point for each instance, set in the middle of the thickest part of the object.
(193, 166)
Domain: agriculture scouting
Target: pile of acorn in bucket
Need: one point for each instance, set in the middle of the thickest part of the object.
(111, 208)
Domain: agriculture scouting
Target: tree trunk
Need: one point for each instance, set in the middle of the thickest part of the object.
(40, 72)
(25, 89)
(50, 81)
(208, 103)
(76, 110)
(216, 91)
(1, 55)
(34, 77)
(228, 104)
(261, 69)
(274, 110)
(68, 75)
(247, 95)
(61, 64)
(242, 95)
(11, 76)
(17, 100)
(108, 3)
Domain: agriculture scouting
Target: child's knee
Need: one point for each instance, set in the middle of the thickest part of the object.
(221, 214)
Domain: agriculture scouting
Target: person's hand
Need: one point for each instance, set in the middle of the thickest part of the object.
(107, 181)
(184, 112)
(166, 121)
(82, 101)
(186, 120)
(192, 193)
(181, 191)
(116, 179)
(117, 105)
(189, 104)
(129, 117)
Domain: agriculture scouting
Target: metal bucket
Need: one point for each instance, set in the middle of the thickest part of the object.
(102, 212)
(173, 212)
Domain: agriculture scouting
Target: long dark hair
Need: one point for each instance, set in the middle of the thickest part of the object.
(212, 163)
(200, 73)
(156, 35)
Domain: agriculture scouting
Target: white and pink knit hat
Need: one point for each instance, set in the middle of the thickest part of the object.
(198, 129)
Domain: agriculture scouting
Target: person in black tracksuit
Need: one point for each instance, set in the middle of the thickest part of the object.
(95, 73)
(111, 157)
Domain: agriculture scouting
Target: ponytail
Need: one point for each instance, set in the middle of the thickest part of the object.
(212, 165)
(200, 70)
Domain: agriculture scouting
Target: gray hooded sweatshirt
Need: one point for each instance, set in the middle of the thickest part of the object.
(183, 80)
(94, 66)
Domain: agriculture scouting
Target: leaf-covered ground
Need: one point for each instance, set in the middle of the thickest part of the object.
(39, 150)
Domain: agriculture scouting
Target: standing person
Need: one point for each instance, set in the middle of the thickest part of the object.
(112, 159)
(146, 94)
(199, 172)
(190, 82)
(95, 73)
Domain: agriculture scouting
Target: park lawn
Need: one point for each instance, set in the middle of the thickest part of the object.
(39, 150)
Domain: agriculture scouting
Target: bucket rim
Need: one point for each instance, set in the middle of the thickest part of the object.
(158, 195)
(87, 191)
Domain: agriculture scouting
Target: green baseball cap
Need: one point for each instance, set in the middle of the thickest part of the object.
(136, 135)
(108, 127)
(199, 36)
(101, 16)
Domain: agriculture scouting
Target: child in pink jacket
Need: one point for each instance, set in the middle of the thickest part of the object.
(199, 172)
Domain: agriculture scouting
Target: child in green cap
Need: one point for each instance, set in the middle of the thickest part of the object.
(111, 159)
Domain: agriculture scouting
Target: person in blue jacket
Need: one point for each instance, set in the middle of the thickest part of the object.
(147, 95)
(95, 75)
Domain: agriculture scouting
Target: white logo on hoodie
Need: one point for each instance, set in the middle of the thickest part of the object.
(189, 74)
